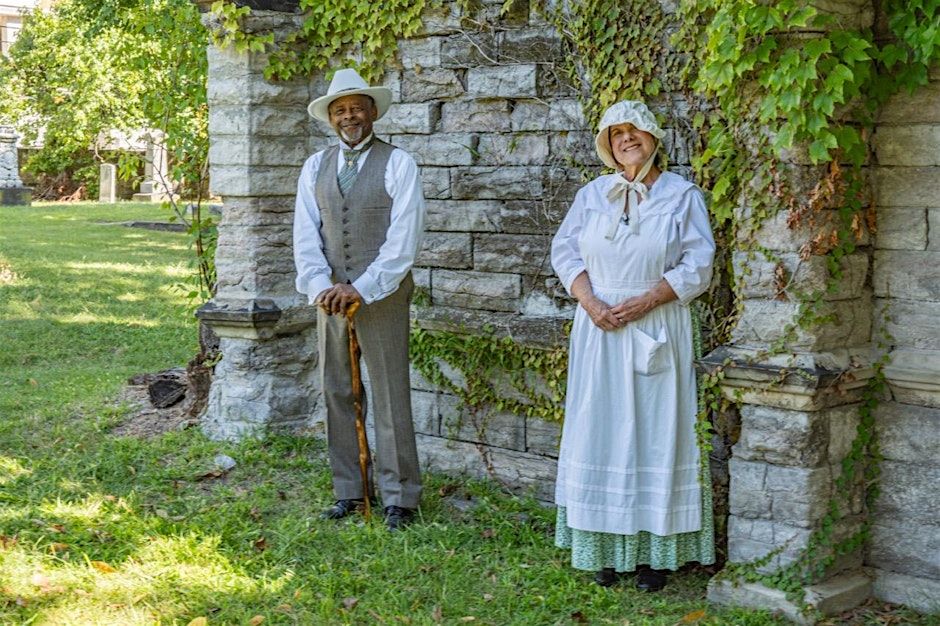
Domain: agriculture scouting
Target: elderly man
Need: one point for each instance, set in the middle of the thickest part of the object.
(357, 227)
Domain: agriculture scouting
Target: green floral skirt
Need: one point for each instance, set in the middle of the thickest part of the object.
(593, 551)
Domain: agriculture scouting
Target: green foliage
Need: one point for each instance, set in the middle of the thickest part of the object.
(357, 31)
(495, 373)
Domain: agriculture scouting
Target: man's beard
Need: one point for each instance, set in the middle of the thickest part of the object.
(352, 136)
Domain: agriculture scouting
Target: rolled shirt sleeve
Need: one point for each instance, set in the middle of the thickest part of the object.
(313, 270)
(693, 273)
(405, 230)
(566, 254)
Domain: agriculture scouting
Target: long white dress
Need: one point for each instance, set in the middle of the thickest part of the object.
(629, 462)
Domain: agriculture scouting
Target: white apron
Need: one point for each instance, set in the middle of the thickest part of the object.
(629, 460)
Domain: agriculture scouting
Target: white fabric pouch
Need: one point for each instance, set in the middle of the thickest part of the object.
(650, 355)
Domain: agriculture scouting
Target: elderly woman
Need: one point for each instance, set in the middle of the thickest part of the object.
(634, 249)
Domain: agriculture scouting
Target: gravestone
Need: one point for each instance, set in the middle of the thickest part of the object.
(156, 185)
(12, 191)
(107, 185)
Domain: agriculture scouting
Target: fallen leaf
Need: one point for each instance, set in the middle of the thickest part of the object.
(447, 489)
(56, 528)
(257, 619)
(7, 542)
(296, 594)
(103, 567)
(255, 513)
(648, 611)
(33, 382)
(210, 475)
(199, 621)
(488, 596)
(284, 608)
(692, 617)
(489, 533)
(58, 547)
(578, 617)
(161, 513)
(282, 495)
(437, 613)
(261, 544)
(468, 618)
(350, 603)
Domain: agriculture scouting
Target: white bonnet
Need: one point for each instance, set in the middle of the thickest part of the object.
(626, 111)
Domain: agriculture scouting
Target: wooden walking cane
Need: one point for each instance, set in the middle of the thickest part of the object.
(354, 354)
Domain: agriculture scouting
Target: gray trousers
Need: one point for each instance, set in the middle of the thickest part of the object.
(382, 329)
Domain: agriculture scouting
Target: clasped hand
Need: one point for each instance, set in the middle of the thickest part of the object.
(337, 298)
(608, 317)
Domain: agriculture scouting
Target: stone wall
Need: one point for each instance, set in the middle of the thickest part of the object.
(905, 548)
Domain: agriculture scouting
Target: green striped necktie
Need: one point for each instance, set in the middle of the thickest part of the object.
(347, 175)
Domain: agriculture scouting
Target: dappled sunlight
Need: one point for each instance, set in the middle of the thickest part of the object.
(17, 310)
(11, 469)
(130, 297)
(86, 511)
(175, 271)
(7, 275)
(87, 317)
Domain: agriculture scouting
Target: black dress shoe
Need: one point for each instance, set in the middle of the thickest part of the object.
(343, 508)
(648, 579)
(606, 577)
(397, 517)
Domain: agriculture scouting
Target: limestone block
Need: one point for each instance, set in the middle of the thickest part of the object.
(418, 381)
(431, 84)
(425, 412)
(843, 429)
(253, 89)
(906, 186)
(502, 81)
(542, 437)
(254, 120)
(476, 290)
(393, 80)
(529, 45)
(764, 321)
(756, 596)
(246, 150)
(748, 497)
(553, 82)
(921, 107)
(418, 118)
(547, 299)
(435, 181)
(782, 437)
(453, 250)
(266, 180)
(561, 183)
(441, 149)
(468, 50)
(449, 457)
(420, 52)
(907, 274)
(497, 183)
(919, 593)
(576, 145)
(801, 276)
(500, 429)
(901, 229)
(227, 62)
(904, 546)
(463, 215)
(556, 114)
(532, 217)
(512, 149)
(911, 324)
(908, 434)
(914, 376)
(750, 540)
(526, 254)
(676, 145)
(475, 116)
(910, 145)
(543, 332)
(775, 234)
(909, 491)
(441, 19)
(526, 474)
(258, 211)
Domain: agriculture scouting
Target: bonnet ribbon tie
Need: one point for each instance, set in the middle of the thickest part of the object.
(632, 189)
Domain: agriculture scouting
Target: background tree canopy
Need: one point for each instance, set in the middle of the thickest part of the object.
(88, 66)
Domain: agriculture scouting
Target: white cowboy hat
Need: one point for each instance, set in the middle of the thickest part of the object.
(626, 111)
(348, 82)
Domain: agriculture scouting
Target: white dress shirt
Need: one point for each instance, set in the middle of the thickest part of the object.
(403, 238)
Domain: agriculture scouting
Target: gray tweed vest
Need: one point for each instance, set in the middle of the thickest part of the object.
(354, 227)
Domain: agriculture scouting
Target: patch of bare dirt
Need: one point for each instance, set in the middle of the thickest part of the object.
(147, 421)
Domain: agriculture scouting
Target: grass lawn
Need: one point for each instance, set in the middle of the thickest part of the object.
(101, 529)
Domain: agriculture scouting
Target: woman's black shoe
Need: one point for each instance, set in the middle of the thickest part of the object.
(648, 579)
(606, 577)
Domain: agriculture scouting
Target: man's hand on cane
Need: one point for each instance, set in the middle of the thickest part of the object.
(338, 298)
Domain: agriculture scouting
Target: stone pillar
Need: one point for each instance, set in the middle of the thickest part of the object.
(107, 183)
(156, 186)
(259, 132)
(12, 191)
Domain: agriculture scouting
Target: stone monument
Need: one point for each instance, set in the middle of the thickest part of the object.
(107, 187)
(12, 191)
(156, 186)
